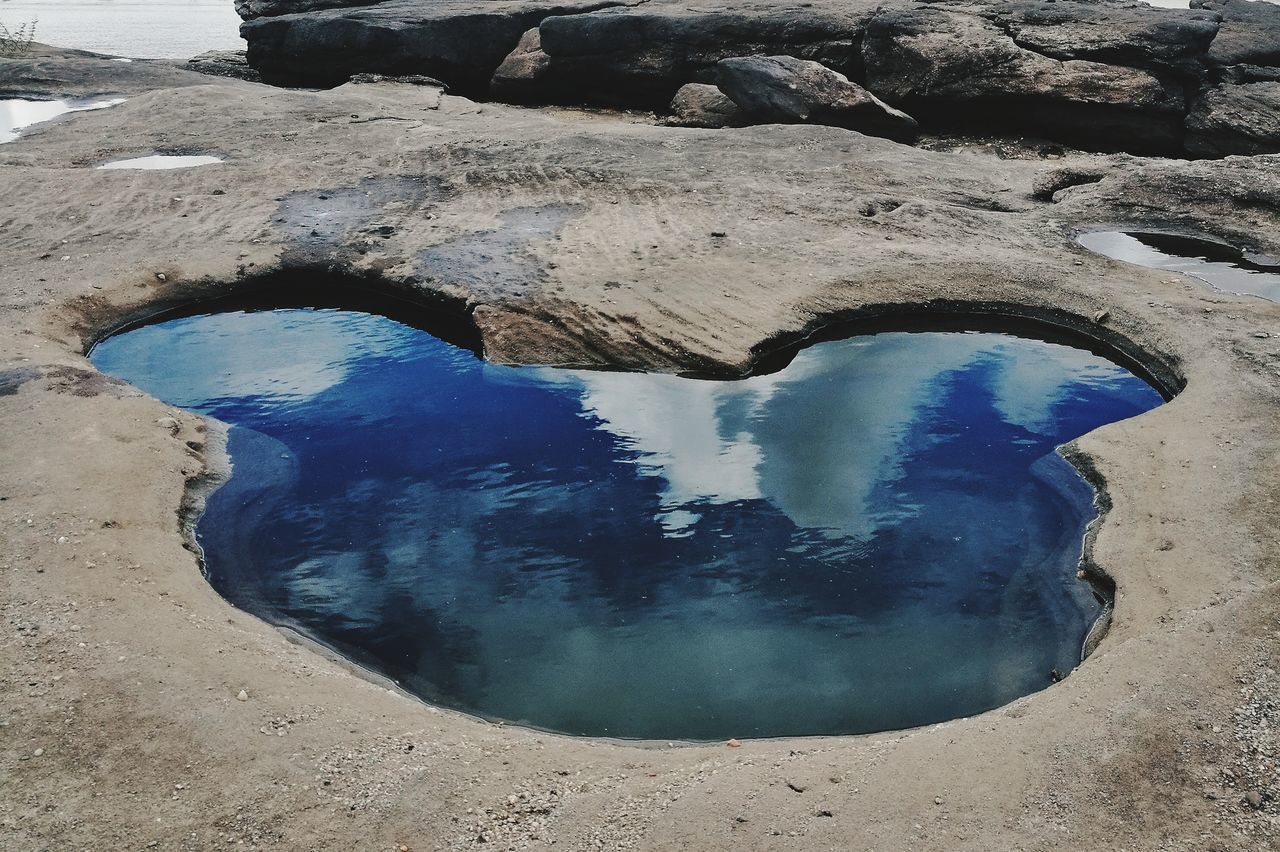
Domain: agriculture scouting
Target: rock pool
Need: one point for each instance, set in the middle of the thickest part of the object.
(879, 535)
(1218, 264)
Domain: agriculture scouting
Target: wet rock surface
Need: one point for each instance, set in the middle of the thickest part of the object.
(1106, 75)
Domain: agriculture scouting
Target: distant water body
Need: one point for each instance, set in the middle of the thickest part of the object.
(147, 29)
(156, 29)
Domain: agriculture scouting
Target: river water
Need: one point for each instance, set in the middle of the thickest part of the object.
(152, 29)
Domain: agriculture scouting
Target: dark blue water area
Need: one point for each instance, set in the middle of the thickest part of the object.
(878, 536)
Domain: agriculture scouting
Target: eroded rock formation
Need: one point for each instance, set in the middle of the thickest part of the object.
(1102, 74)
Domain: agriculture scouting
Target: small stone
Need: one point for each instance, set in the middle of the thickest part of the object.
(937, 800)
(160, 276)
(40, 751)
(1254, 799)
(1101, 316)
(242, 696)
(1261, 335)
(733, 744)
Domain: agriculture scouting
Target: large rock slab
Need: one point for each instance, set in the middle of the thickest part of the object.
(1250, 32)
(640, 56)
(783, 89)
(1232, 119)
(1139, 36)
(249, 9)
(458, 41)
(951, 67)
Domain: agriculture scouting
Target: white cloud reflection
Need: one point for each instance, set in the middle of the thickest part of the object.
(817, 438)
(236, 355)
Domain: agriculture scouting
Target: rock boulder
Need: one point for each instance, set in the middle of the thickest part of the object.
(703, 105)
(953, 68)
(786, 90)
(1233, 119)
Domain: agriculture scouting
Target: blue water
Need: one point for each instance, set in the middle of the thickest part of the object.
(879, 535)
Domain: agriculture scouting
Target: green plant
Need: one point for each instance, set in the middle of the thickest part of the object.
(15, 43)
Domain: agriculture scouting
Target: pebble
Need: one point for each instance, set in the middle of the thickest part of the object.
(40, 751)
(1254, 798)
(242, 696)
(733, 744)
(160, 276)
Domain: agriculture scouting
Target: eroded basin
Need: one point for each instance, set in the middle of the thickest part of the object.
(879, 535)
(1218, 264)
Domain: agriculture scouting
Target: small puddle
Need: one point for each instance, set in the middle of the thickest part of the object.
(1220, 265)
(15, 114)
(877, 536)
(162, 161)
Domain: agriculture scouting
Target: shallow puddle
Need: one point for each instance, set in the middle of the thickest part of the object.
(162, 161)
(15, 114)
(1219, 265)
(877, 536)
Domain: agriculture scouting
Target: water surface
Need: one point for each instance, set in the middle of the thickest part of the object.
(150, 29)
(163, 161)
(18, 113)
(1219, 265)
(880, 535)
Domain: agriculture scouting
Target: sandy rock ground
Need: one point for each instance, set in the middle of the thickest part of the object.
(590, 239)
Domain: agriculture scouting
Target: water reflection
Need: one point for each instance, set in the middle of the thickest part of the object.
(880, 535)
(162, 161)
(1217, 264)
(16, 114)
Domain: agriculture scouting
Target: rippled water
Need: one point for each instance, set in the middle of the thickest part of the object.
(1217, 264)
(152, 29)
(879, 535)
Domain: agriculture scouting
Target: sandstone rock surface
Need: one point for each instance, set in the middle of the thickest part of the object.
(703, 105)
(789, 90)
(1235, 119)
(363, 186)
(1104, 75)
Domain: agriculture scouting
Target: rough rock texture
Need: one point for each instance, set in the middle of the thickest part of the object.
(639, 56)
(1250, 32)
(1136, 36)
(1232, 119)
(1105, 75)
(703, 105)
(522, 75)
(955, 67)
(121, 668)
(1049, 183)
(248, 9)
(225, 63)
(458, 41)
(786, 89)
